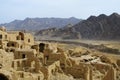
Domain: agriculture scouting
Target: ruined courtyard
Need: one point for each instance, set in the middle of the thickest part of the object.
(23, 58)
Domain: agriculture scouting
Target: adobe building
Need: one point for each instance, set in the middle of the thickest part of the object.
(21, 58)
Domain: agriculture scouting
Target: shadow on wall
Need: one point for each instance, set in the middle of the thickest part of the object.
(3, 77)
(41, 46)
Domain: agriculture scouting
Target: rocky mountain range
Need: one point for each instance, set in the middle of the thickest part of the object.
(95, 27)
(39, 23)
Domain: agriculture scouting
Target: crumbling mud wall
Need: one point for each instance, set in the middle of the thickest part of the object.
(23, 59)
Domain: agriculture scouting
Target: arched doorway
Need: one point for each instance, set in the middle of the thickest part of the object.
(22, 35)
(3, 77)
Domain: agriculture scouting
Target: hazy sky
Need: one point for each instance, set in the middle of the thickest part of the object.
(20, 9)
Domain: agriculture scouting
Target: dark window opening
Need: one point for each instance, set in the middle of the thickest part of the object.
(21, 47)
(23, 56)
(11, 50)
(22, 38)
(38, 77)
(41, 46)
(17, 38)
(3, 77)
(22, 75)
(1, 66)
(8, 45)
(18, 64)
(5, 36)
(32, 47)
(0, 36)
(62, 66)
(13, 64)
(52, 71)
(28, 40)
(85, 60)
(22, 35)
(13, 44)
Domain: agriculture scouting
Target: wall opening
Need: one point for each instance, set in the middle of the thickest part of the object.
(22, 75)
(3, 77)
(21, 47)
(41, 46)
(0, 42)
(5, 36)
(1, 66)
(22, 35)
(23, 56)
(8, 44)
(18, 64)
(17, 38)
(0, 36)
(12, 44)
(28, 40)
(38, 77)
(12, 50)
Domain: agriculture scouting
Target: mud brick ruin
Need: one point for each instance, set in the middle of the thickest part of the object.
(21, 58)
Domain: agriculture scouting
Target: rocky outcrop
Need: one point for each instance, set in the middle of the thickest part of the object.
(100, 27)
(95, 27)
(67, 32)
